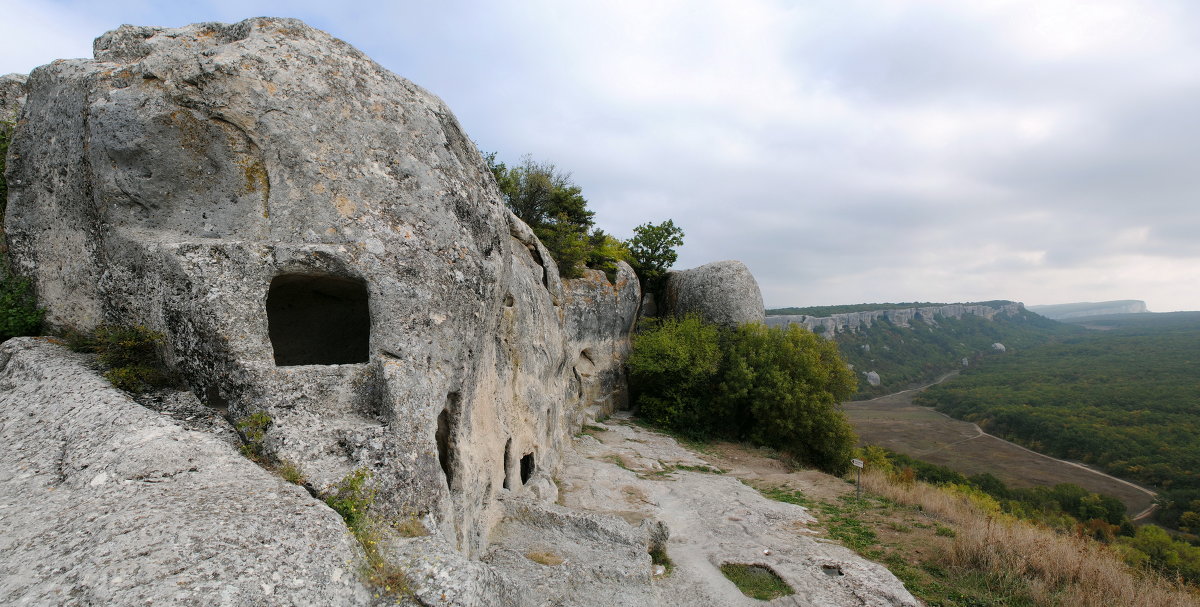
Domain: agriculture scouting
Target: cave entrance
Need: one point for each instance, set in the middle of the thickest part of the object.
(527, 468)
(318, 320)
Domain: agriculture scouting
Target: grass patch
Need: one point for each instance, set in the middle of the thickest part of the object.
(659, 556)
(756, 581)
(131, 356)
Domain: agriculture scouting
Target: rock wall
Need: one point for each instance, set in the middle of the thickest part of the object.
(239, 187)
(829, 326)
(12, 96)
(109, 503)
(600, 316)
(722, 292)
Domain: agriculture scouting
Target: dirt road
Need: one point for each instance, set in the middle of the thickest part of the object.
(894, 422)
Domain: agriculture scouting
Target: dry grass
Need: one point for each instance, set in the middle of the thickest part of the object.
(1057, 569)
(544, 557)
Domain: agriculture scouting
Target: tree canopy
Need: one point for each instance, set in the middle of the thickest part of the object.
(546, 199)
(653, 250)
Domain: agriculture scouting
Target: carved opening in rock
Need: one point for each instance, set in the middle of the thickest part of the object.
(445, 437)
(213, 398)
(527, 468)
(509, 301)
(507, 458)
(318, 320)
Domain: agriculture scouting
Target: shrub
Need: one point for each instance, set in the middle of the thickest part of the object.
(775, 387)
(671, 372)
(19, 314)
(782, 387)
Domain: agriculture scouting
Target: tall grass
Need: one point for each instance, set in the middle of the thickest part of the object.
(1056, 569)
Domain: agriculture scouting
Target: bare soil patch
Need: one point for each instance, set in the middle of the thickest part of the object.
(895, 423)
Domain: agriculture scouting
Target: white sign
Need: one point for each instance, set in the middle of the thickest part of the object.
(857, 463)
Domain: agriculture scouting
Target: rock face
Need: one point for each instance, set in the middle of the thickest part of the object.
(722, 292)
(830, 326)
(1087, 309)
(109, 503)
(319, 241)
(12, 96)
(599, 318)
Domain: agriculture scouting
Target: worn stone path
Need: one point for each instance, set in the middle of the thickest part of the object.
(714, 518)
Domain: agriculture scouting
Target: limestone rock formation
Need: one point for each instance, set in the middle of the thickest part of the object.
(851, 322)
(106, 502)
(722, 292)
(599, 318)
(12, 96)
(319, 241)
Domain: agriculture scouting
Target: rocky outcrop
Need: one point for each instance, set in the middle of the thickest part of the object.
(319, 241)
(1087, 309)
(105, 502)
(722, 292)
(830, 326)
(12, 96)
(599, 317)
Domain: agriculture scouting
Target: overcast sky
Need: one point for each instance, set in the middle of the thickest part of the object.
(847, 151)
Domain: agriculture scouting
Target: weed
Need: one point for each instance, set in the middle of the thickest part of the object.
(410, 527)
(756, 581)
(701, 468)
(544, 557)
(253, 429)
(352, 498)
(899, 527)
(290, 472)
(131, 355)
(659, 556)
(618, 460)
(945, 531)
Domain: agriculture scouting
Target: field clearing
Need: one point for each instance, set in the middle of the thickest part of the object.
(895, 423)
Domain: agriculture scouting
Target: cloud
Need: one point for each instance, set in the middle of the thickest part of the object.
(858, 150)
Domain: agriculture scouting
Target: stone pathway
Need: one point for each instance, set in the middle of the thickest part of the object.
(714, 519)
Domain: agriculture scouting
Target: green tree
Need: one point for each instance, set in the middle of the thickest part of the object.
(546, 199)
(653, 250)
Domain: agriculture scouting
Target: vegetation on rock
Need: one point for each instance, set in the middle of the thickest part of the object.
(131, 355)
(546, 199)
(352, 498)
(772, 386)
(19, 314)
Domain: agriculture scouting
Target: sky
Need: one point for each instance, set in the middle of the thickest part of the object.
(848, 151)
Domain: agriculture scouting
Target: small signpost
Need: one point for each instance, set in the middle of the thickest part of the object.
(858, 463)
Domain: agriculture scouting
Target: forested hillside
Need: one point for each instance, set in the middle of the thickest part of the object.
(1126, 399)
(906, 356)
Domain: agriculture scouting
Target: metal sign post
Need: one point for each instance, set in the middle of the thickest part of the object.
(858, 463)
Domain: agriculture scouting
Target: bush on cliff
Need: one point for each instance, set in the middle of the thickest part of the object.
(771, 386)
(19, 314)
(546, 199)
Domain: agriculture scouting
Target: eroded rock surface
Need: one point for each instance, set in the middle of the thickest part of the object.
(268, 197)
(105, 502)
(716, 519)
(722, 292)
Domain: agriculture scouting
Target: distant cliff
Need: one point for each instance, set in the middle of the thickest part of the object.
(1087, 308)
(833, 324)
(893, 348)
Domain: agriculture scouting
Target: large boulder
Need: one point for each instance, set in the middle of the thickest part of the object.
(12, 96)
(722, 292)
(318, 240)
